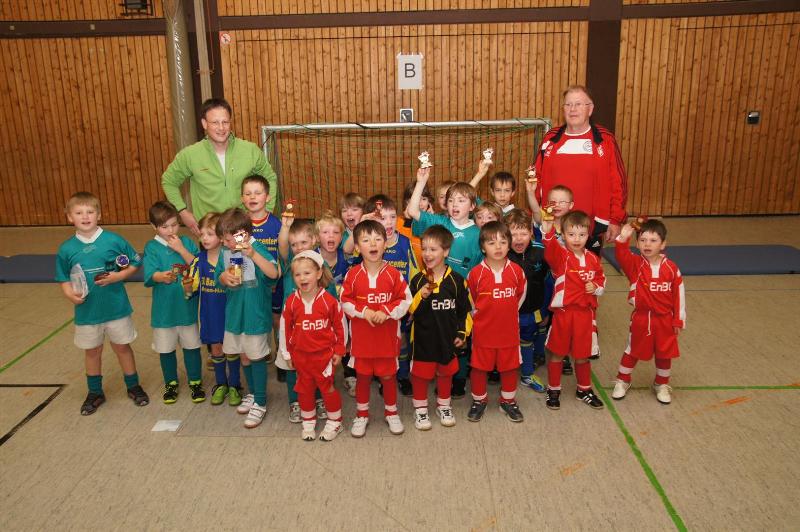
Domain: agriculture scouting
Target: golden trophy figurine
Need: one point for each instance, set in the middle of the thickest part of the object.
(547, 211)
(425, 160)
(432, 284)
(288, 211)
(638, 221)
(532, 179)
(241, 237)
(487, 154)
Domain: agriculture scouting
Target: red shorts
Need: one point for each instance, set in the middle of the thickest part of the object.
(313, 371)
(379, 367)
(573, 332)
(487, 358)
(652, 334)
(429, 370)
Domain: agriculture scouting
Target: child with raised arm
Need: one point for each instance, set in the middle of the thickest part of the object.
(440, 327)
(99, 261)
(312, 339)
(212, 313)
(247, 269)
(579, 281)
(659, 307)
(375, 297)
(173, 314)
(405, 222)
(497, 287)
(502, 186)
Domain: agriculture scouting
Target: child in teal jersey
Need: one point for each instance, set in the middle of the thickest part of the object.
(173, 313)
(248, 270)
(91, 267)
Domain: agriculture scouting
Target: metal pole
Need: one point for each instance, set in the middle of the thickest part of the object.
(202, 50)
(184, 130)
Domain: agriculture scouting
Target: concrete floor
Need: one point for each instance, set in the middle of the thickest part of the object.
(723, 456)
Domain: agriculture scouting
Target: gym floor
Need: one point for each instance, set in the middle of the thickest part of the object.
(722, 456)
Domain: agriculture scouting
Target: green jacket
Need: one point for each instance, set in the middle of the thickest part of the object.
(210, 188)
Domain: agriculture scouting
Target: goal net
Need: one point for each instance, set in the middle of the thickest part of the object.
(317, 164)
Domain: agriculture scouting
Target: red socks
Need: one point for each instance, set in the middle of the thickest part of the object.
(554, 374)
(478, 379)
(583, 374)
(663, 366)
(362, 394)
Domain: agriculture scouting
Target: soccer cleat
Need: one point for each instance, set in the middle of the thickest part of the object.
(663, 393)
(294, 413)
(620, 389)
(459, 389)
(350, 386)
(255, 416)
(331, 430)
(91, 403)
(476, 410)
(320, 407)
(218, 394)
(588, 397)
(359, 427)
(246, 404)
(553, 401)
(512, 412)
(170, 393)
(421, 419)
(138, 395)
(309, 427)
(234, 396)
(405, 387)
(198, 393)
(566, 367)
(395, 425)
(446, 417)
(533, 382)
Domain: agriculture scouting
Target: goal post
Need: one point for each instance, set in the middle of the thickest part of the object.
(317, 164)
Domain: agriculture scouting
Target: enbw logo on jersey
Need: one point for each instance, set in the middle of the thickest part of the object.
(665, 286)
(503, 293)
(378, 298)
(446, 304)
(315, 325)
(586, 275)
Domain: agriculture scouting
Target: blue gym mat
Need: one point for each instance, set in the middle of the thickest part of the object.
(728, 260)
(36, 269)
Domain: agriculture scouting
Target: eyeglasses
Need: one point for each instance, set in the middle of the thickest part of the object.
(219, 123)
(560, 203)
(576, 104)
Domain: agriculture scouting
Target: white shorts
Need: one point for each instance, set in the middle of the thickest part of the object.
(120, 332)
(166, 339)
(254, 346)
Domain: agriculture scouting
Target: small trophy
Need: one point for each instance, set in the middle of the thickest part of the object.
(182, 274)
(122, 262)
(432, 284)
(425, 160)
(547, 211)
(288, 212)
(241, 237)
(378, 206)
(637, 223)
(487, 154)
(532, 179)
(78, 281)
(236, 268)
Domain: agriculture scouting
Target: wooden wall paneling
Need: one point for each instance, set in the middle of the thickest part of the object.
(733, 73)
(778, 119)
(151, 163)
(633, 77)
(755, 40)
(698, 189)
(85, 10)
(14, 136)
(790, 200)
(715, 174)
(768, 102)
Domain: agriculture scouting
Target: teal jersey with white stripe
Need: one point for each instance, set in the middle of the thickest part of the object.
(465, 252)
(169, 307)
(248, 308)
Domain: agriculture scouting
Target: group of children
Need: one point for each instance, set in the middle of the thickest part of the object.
(479, 290)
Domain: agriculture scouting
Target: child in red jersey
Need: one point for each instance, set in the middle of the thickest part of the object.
(579, 279)
(497, 287)
(659, 307)
(375, 297)
(312, 339)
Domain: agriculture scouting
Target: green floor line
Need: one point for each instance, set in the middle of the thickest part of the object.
(648, 471)
(712, 388)
(37, 345)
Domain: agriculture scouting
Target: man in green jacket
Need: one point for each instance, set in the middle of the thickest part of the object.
(215, 168)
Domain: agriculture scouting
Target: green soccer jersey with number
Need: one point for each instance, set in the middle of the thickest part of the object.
(169, 306)
(97, 255)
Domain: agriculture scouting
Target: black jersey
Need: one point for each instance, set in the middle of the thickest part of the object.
(536, 270)
(440, 318)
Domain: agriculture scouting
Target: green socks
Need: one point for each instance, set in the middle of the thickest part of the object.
(194, 364)
(95, 384)
(169, 367)
(131, 380)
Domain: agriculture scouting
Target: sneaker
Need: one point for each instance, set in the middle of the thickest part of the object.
(359, 427)
(620, 389)
(476, 410)
(138, 395)
(511, 410)
(246, 404)
(218, 394)
(446, 417)
(566, 367)
(255, 416)
(198, 393)
(459, 389)
(234, 395)
(170, 393)
(350, 386)
(331, 430)
(93, 400)
(309, 430)
(421, 420)
(294, 413)
(322, 413)
(553, 401)
(533, 382)
(395, 425)
(588, 397)
(405, 387)
(663, 393)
